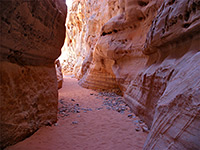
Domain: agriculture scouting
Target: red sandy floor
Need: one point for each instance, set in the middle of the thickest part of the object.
(96, 129)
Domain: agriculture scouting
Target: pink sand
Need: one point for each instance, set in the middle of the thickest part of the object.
(96, 130)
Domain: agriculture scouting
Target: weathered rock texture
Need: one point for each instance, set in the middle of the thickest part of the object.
(119, 48)
(168, 91)
(156, 64)
(32, 34)
(84, 24)
(169, 44)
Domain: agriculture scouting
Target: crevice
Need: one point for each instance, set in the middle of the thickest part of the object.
(171, 2)
(186, 25)
(187, 16)
(107, 33)
(142, 3)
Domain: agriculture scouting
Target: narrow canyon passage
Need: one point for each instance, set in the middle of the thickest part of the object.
(149, 50)
(87, 121)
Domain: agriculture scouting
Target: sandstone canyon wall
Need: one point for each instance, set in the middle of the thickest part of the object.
(168, 91)
(84, 24)
(101, 50)
(150, 49)
(119, 47)
(32, 34)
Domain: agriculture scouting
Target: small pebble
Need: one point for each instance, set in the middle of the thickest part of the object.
(137, 129)
(75, 122)
(118, 109)
(140, 121)
(145, 129)
(108, 108)
(130, 115)
(99, 108)
(136, 121)
(123, 109)
(77, 111)
(121, 112)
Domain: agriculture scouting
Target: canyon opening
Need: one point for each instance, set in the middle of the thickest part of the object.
(127, 78)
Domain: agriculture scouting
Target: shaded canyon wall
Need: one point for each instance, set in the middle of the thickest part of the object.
(32, 34)
(169, 89)
(150, 49)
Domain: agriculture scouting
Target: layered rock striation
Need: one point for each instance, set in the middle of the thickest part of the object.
(171, 85)
(122, 39)
(166, 92)
(84, 24)
(150, 50)
(119, 45)
(32, 34)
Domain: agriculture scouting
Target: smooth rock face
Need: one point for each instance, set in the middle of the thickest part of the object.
(32, 34)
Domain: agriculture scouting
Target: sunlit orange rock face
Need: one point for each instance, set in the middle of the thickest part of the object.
(119, 47)
(32, 34)
(117, 57)
(84, 24)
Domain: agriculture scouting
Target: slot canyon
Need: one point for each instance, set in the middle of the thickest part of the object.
(100, 74)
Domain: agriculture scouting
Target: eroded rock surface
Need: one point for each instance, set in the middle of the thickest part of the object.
(167, 93)
(119, 48)
(158, 71)
(150, 49)
(84, 24)
(32, 34)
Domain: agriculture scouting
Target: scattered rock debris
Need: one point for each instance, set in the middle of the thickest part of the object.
(110, 101)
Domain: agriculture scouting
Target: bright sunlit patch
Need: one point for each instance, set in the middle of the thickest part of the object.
(69, 3)
(66, 52)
